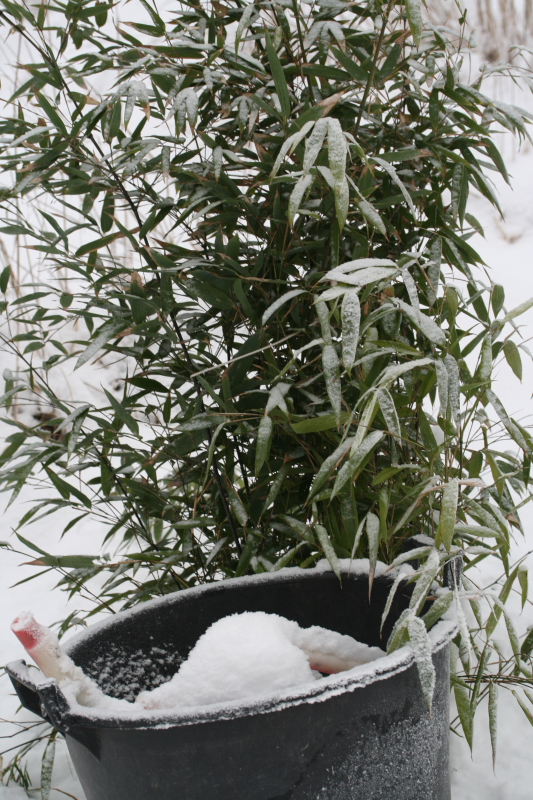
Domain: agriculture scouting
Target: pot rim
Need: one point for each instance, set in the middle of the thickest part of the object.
(328, 687)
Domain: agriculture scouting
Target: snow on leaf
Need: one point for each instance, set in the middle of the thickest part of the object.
(289, 145)
(333, 293)
(336, 150)
(358, 263)
(208, 78)
(274, 490)
(454, 386)
(106, 332)
(421, 645)
(463, 628)
(264, 439)
(329, 550)
(351, 322)
(365, 421)
(356, 458)
(364, 276)
(493, 718)
(433, 270)
(217, 162)
(371, 215)
(448, 513)
(513, 430)
(277, 398)
(327, 466)
(388, 409)
(330, 364)
(342, 202)
(485, 365)
(442, 385)
(314, 144)
(516, 312)
(372, 532)
(165, 161)
(327, 175)
(392, 373)
(297, 195)
(396, 179)
(247, 15)
(399, 632)
(427, 325)
(335, 29)
(422, 586)
(323, 315)
(465, 710)
(392, 591)
(357, 539)
(414, 16)
(313, 33)
(271, 310)
(237, 505)
(410, 285)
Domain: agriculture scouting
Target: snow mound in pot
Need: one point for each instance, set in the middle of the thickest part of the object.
(254, 654)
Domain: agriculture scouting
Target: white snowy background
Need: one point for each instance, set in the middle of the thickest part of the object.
(508, 252)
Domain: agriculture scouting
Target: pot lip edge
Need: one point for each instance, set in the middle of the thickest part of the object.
(358, 568)
(391, 665)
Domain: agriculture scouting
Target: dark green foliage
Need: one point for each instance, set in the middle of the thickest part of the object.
(237, 445)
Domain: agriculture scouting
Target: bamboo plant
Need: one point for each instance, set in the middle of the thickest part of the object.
(260, 209)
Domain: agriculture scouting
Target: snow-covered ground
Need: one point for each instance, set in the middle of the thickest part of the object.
(508, 251)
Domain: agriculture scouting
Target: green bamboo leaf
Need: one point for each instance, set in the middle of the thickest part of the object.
(330, 364)
(237, 505)
(329, 550)
(372, 532)
(448, 513)
(106, 332)
(122, 413)
(280, 80)
(498, 298)
(351, 322)
(512, 356)
(264, 440)
(421, 644)
(466, 713)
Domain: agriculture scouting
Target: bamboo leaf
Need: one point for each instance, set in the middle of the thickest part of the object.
(329, 550)
(448, 513)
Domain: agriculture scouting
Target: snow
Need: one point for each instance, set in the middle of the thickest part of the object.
(251, 655)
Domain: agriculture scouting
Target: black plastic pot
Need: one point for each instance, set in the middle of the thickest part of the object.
(365, 734)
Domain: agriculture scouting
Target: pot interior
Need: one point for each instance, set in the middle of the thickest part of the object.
(143, 649)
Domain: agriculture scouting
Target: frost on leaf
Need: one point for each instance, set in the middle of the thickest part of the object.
(314, 143)
(271, 310)
(388, 409)
(330, 363)
(426, 324)
(433, 270)
(323, 315)
(351, 322)
(371, 215)
(217, 162)
(454, 385)
(421, 645)
(264, 439)
(342, 202)
(356, 459)
(329, 550)
(442, 384)
(328, 465)
(297, 195)
(448, 513)
(277, 398)
(372, 532)
(362, 277)
(336, 151)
